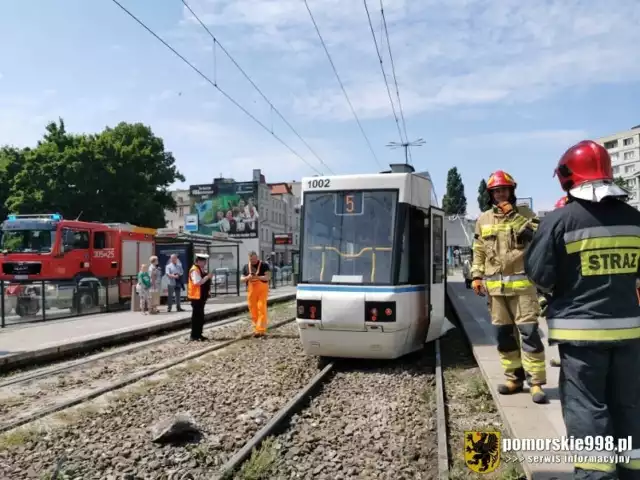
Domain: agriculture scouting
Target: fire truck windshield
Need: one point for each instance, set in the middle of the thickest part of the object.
(28, 241)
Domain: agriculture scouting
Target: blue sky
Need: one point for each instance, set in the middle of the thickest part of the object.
(487, 83)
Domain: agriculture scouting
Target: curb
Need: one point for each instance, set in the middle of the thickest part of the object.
(463, 315)
(56, 352)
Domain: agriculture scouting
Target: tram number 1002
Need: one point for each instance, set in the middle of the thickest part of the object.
(319, 183)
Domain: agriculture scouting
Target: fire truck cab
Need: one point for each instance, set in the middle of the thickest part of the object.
(82, 263)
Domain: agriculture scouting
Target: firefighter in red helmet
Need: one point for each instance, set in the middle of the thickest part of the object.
(561, 202)
(501, 236)
(586, 255)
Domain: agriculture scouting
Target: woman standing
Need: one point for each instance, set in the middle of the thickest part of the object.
(156, 279)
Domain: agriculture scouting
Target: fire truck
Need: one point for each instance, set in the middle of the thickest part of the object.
(84, 265)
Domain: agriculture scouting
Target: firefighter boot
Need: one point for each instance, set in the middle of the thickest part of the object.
(537, 394)
(512, 386)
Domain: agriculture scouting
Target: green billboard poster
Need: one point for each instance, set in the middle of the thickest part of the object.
(227, 207)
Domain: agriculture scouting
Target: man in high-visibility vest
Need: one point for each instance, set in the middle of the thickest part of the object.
(256, 275)
(586, 255)
(502, 234)
(198, 289)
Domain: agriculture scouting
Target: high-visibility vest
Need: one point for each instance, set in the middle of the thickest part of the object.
(193, 290)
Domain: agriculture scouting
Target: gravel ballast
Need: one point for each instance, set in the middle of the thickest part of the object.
(230, 394)
(374, 420)
(20, 400)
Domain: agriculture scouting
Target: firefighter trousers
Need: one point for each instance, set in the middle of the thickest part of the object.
(600, 396)
(515, 319)
(257, 295)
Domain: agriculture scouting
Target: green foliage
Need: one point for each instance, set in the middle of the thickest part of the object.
(121, 174)
(484, 199)
(454, 201)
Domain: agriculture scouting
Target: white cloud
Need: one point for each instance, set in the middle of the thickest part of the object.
(447, 53)
(512, 139)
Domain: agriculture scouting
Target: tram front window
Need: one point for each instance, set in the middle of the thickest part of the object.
(348, 236)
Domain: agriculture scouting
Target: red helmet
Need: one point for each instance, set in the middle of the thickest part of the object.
(499, 179)
(562, 202)
(583, 163)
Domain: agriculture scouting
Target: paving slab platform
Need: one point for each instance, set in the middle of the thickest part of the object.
(46, 341)
(522, 418)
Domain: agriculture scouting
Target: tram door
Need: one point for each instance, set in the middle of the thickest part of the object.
(438, 271)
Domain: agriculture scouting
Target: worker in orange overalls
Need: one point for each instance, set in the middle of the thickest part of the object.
(256, 274)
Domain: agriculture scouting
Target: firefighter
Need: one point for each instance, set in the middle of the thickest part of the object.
(501, 236)
(198, 288)
(256, 275)
(586, 256)
(554, 362)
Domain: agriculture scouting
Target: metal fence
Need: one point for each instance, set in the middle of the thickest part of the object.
(25, 301)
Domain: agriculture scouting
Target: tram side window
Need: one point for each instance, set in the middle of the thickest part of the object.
(438, 249)
(418, 240)
(405, 249)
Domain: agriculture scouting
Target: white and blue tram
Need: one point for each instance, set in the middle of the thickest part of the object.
(372, 265)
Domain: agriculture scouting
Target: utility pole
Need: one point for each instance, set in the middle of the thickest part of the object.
(416, 143)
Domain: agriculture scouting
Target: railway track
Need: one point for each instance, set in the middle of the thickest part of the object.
(264, 410)
(358, 404)
(36, 394)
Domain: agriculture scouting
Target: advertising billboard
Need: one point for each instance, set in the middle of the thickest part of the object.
(226, 207)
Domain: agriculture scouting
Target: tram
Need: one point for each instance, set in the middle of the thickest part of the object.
(372, 265)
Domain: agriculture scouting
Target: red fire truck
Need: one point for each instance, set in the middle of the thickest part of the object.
(85, 264)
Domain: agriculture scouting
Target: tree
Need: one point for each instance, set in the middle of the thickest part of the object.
(454, 201)
(121, 174)
(484, 199)
(11, 162)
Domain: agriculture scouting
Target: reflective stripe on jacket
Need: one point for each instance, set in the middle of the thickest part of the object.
(498, 250)
(193, 290)
(587, 255)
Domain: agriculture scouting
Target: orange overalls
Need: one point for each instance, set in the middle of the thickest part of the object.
(257, 294)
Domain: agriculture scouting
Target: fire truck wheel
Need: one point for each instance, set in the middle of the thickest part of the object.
(86, 301)
(27, 307)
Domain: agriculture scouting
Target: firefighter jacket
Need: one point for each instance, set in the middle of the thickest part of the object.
(586, 256)
(498, 250)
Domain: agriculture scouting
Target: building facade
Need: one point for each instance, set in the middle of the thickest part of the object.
(624, 148)
(176, 219)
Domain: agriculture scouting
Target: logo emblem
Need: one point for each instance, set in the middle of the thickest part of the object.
(482, 451)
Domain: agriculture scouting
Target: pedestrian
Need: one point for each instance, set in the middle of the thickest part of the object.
(156, 282)
(143, 286)
(585, 255)
(174, 274)
(256, 275)
(198, 288)
(501, 236)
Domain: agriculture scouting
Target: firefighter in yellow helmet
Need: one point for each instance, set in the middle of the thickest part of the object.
(501, 236)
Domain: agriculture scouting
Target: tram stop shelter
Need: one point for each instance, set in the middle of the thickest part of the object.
(224, 258)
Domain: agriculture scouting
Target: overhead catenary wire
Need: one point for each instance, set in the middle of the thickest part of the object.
(384, 75)
(393, 70)
(273, 108)
(214, 84)
(344, 91)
